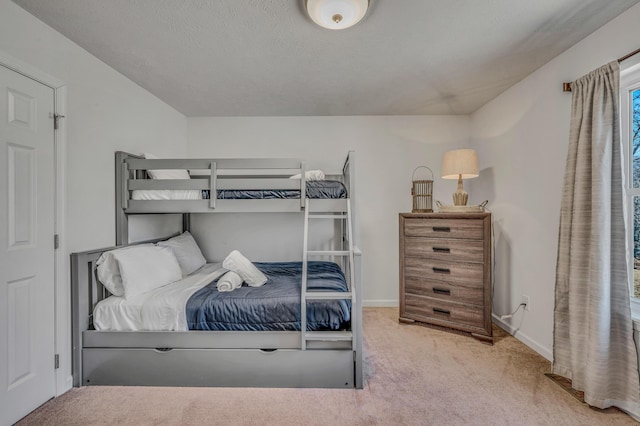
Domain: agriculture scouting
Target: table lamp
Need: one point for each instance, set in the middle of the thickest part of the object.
(460, 164)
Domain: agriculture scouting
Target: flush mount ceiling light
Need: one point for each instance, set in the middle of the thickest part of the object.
(337, 14)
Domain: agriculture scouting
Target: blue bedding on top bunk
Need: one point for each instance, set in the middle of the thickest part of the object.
(315, 189)
(275, 306)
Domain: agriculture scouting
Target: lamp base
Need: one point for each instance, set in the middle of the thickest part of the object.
(460, 198)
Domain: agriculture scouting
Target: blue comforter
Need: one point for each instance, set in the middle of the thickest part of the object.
(315, 189)
(275, 306)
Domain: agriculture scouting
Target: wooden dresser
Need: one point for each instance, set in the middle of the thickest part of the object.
(445, 271)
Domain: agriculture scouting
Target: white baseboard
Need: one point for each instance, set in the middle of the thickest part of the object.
(392, 303)
(545, 352)
(542, 350)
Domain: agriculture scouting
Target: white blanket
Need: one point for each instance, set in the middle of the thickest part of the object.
(166, 194)
(239, 264)
(161, 309)
(229, 282)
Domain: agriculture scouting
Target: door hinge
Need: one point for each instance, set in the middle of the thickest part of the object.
(56, 361)
(354, 356)
(56, 241)
(56, 119)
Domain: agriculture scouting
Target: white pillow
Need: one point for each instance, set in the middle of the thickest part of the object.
(109, 272)
(187, 252)
(166, 174)
(146, 267)
(310, 175)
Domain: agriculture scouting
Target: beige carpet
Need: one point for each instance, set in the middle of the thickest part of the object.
(416, 376)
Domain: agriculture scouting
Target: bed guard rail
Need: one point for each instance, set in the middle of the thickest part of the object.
(211, 175)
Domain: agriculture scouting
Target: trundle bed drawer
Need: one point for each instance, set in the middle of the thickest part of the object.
(218, 367)
(434, 309)
(444, 228)
(444, 291)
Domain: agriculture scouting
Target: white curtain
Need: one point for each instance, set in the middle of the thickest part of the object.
(593, 331)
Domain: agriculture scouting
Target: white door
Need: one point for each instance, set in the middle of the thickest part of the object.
(27, 184)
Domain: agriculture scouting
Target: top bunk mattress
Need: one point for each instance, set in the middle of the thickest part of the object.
(316, 189)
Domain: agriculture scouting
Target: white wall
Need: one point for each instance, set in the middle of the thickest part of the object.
(522, 139)
(387, 149)
(105, 112)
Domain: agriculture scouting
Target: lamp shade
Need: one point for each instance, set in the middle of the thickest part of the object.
(337, 14)
(460, 163)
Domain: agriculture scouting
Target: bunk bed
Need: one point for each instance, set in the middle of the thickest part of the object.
(302, 357)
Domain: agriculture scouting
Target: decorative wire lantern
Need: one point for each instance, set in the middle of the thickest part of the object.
(422, 193)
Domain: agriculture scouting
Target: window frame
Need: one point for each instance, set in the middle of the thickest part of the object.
(629, 82)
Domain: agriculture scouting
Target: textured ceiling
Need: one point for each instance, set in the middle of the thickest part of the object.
(267, 58)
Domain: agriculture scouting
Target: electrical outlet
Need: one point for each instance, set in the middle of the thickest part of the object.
(527, 304)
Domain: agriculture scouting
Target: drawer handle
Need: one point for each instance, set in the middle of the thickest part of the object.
(163, 350)
(441, 250)
(437, 290)
(441, 270)
(442, 311)
(441, 229)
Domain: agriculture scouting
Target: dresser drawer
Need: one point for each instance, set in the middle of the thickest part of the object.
(444, 228)
(444, 291)
(466, 274)
(439, 311)
(445, 249)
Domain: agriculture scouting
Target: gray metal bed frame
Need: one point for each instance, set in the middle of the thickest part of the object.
(209, 358)
(214, 174)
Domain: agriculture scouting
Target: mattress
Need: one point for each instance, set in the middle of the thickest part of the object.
(275, 306)
(194, 303)
(315, 189)
(166, 194)
(162, 309)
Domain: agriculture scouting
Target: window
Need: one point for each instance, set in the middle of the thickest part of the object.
(630, 133)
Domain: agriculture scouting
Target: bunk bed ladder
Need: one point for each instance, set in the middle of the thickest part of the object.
(325, 295)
